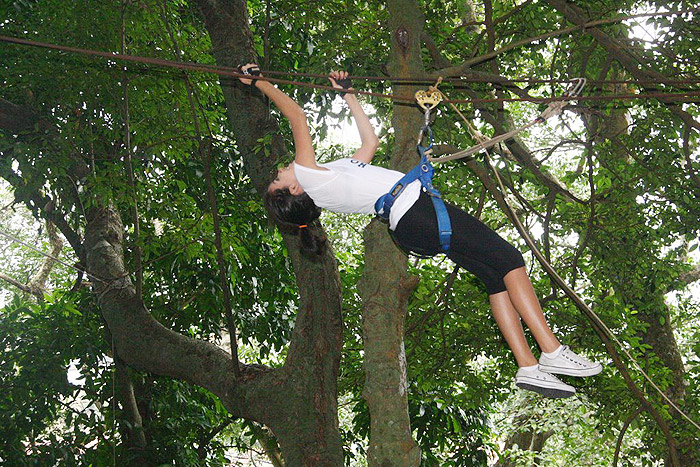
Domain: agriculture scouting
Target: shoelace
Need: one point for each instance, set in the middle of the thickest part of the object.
(573, 357)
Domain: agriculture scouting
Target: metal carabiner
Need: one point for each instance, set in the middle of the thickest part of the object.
(430, 137)
(428, 100)
(576, 86)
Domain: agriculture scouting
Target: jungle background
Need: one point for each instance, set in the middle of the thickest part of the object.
(196, 335)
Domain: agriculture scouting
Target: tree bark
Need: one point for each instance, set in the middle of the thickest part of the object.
(385, 285)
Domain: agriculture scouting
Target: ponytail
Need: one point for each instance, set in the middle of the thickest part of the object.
(293, 214)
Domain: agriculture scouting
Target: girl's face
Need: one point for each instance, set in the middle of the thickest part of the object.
(286, 179)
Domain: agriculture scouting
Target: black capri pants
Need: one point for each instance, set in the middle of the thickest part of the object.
(474, 246)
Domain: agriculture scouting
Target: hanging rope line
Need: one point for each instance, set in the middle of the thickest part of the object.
(233, 73)
(484, 145)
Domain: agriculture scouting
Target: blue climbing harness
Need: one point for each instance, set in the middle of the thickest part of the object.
(423, 172)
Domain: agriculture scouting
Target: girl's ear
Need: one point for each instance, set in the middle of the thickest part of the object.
(295, 189)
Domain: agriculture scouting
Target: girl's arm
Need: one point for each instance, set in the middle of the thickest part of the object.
(303, 146)
(370, 142)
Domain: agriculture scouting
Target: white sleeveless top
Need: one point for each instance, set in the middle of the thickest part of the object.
(352, 187)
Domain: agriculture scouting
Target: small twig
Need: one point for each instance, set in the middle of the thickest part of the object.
(625, 425)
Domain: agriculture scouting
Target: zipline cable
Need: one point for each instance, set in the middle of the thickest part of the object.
(191, 66)
(221, 71)
(482, 79)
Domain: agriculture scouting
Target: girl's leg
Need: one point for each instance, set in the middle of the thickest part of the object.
(508, 322)
(529, 375)
(523, 298)
(563, 361)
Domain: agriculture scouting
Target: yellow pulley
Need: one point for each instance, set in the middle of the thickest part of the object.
(428, 99)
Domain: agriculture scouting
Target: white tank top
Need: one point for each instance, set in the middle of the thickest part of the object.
(350, 186)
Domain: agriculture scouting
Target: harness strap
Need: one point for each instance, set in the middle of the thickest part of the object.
(423, 172)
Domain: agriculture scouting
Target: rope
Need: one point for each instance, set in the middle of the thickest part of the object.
(564, 286)
(230, 72)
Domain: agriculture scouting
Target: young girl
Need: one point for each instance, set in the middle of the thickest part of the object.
(354, 185)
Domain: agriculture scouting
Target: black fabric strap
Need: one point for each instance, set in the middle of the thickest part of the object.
(344, 83)
(252, 71)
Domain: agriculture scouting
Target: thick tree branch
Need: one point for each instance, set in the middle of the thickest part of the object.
(23, 287)
(38, 282)
(135, 436)
(687, 278)
(438, 59)
(630, 418)
(142, 342)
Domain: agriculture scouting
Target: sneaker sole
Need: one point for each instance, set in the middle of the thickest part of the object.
(547, 392)
(571, 371)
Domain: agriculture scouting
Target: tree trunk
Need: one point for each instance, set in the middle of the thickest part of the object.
(385, 288)
(385, 285)
(302, 409)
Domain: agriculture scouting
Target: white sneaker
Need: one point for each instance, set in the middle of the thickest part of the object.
(566, 362)
(543, 383)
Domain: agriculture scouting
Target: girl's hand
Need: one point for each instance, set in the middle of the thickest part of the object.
(339, 80)
(249, 69)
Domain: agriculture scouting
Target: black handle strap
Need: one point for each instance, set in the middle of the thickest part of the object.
(252, 71)
(344, 83)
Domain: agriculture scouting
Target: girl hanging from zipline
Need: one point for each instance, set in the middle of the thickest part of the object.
(353, 185)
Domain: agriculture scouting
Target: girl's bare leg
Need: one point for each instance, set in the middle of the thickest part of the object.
(522, 297)
(508, 322)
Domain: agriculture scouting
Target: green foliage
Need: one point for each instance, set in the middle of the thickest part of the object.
(40, 412)
(623, 252)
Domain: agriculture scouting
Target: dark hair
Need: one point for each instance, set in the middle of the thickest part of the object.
(294, 215)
